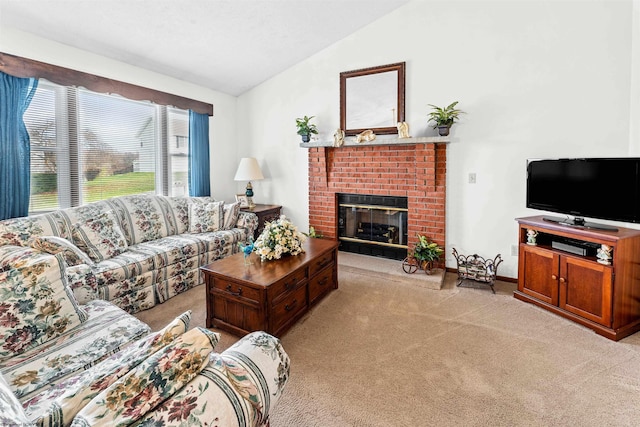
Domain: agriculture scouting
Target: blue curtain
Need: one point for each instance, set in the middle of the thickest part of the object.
(15, 163)
(199, 184)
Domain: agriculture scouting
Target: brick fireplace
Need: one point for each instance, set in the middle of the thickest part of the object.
(415, 170)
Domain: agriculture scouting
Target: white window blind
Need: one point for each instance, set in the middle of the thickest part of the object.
(87, 146)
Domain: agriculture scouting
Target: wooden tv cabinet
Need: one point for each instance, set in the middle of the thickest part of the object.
(605, 298)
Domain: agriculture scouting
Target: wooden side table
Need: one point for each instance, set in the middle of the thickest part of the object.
(265, 213)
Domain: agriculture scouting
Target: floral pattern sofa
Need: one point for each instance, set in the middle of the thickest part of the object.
(135, 251)
(63, 363)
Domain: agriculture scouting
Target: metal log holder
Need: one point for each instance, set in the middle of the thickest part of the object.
(476, 268)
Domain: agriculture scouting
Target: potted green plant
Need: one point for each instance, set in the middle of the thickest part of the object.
(444, 117)
(427, 253)
(305, 129)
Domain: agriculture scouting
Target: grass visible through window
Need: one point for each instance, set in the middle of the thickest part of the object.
(103, 187)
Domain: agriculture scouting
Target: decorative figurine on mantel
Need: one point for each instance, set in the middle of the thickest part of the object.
(338, 138)
(531, 236)
(403, 130)
(365, 136)
(604, 254)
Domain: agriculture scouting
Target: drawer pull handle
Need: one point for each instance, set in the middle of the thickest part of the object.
(323, 281)
(290, 285)
(554, 277)
(562, 280)
(323, 262)
(292, 306)
(238, 294)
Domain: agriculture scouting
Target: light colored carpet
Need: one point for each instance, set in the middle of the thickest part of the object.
(384, 351)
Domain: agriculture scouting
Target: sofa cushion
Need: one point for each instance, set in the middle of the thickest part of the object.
(58, 405)
(18, 231)
(231, 213)
(148, 385)
(176, 211)
(11, 412)
(107, 330)
(205, 217)
(143, 218)
(36, 305)
(53, 245)
(100, 237)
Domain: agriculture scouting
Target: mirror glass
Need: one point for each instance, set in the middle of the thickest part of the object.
(372, 98)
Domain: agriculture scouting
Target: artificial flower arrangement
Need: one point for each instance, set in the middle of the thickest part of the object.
(279, 237)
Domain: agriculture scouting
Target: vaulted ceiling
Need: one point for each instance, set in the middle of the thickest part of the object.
(226, 45)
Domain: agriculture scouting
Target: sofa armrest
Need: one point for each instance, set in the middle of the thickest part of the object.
(248, 221)
(239, 387)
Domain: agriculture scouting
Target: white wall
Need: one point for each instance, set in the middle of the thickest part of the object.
(536, 79)
(222, 126)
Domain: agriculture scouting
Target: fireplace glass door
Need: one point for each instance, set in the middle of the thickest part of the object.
(373, 229)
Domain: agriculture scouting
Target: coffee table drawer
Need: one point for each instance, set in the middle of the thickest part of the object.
(320, 284)
(322, 262)
(294, 303)
(280, 288)
(231, 289)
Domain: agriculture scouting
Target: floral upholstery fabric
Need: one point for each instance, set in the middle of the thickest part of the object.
(36, 305)
(231, 212)
(148, 272)
(107, 329)
(240, 386)
(143, 218)
(18, 231)
(100, 236)
(11, 412)
(205, 216)
(145, 387)
(53, 245)
(62, 402)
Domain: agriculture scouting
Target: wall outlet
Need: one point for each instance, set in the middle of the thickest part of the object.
(514, 250)
(472, 178)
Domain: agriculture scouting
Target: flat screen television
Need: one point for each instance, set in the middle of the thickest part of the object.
(602, 188)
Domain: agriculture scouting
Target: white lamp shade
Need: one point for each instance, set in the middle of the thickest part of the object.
(248, 170)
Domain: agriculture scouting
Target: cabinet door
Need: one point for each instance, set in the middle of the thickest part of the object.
(586, 289)
(538, 273)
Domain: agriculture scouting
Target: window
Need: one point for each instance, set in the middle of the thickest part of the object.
(87, 146)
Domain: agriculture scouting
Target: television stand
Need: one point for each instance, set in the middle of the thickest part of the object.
(571, 281)
(579, 222)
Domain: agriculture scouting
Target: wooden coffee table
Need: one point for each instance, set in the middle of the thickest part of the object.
(271, 295)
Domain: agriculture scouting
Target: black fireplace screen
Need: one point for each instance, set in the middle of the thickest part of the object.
(373, 225)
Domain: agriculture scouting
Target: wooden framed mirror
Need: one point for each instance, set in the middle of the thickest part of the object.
(372, 98)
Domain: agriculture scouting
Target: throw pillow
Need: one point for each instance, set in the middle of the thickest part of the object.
(36, 304)
(205, 216)
(55, 245)
(100, 237)
(231, 213)
(159, 377)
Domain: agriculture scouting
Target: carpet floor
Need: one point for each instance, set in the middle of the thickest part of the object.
(384, 350)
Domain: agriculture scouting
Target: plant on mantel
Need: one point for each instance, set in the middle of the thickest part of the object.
(305, 129)
(444, 117)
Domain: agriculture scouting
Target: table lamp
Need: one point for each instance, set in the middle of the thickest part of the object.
(248, 170)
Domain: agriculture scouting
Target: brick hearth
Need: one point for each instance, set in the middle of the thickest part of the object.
(416, 171)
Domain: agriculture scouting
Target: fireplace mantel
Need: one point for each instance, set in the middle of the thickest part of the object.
(380, 140)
